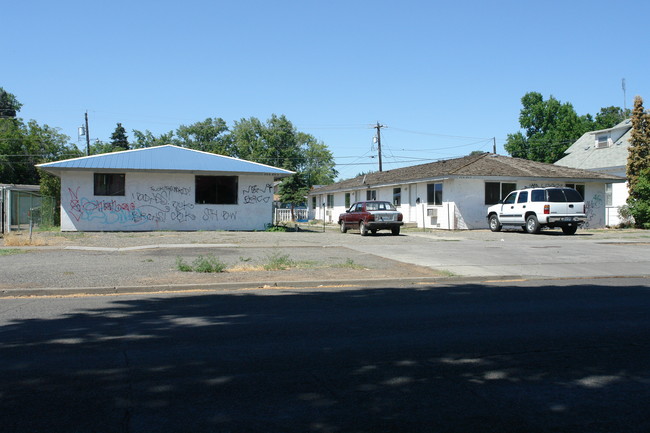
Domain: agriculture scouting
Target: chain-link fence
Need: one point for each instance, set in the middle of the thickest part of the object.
(20, 209)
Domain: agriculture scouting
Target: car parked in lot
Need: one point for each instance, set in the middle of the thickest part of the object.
(370, 216)
(535, 208)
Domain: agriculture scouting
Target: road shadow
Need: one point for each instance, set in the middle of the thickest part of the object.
(425, 359)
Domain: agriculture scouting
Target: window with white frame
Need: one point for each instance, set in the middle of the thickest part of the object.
(602, 141)
(434, 194)
(330, 200)
(371, 194)
(496, 191)
(397, 196)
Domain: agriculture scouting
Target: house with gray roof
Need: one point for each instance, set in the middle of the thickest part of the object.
(164, 188)
(605, 151)
(454, 194)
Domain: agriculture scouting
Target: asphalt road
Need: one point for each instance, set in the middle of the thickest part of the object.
(530, 356)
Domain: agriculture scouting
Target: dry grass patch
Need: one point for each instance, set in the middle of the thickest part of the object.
(21, 240)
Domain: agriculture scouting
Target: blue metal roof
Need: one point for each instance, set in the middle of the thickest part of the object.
(163, 158)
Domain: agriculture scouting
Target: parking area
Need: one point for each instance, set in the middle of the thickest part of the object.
(151, 258)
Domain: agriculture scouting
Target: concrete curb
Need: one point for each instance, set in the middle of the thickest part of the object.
(249, 285)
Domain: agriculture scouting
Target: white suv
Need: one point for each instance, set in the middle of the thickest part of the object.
(534, 208)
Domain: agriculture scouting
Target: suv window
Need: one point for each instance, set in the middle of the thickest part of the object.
(511, 198)
(572, 195)
(537, 195)
(556, 196)
(523, 197)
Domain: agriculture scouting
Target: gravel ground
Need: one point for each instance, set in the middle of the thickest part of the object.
(69, 260)
(126, 259)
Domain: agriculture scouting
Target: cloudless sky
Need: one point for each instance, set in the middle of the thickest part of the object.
(443, 77)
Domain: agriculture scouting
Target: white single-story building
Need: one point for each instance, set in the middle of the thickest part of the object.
(454, 194)
(164, 188)
(605, 151)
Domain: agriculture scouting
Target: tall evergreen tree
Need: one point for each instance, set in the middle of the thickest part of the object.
(119, 140)
(638, 159)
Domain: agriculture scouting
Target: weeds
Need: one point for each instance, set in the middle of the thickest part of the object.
(9, 252)
(348, 264)
(207, 264)
(278, 262)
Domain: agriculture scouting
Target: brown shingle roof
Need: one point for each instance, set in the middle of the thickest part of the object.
(482, 165)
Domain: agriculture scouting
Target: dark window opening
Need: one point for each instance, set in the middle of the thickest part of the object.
(434, 194)
(109, 184)
(216, 189)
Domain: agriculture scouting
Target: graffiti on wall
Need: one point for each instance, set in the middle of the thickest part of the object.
(158, 204)
(590, 208)
(256, 194)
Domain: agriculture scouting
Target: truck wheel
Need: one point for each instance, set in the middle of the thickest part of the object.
(342, 227)
(569, 230)
(363, 229)
(532, 225)
(395, 231)
(494, 223)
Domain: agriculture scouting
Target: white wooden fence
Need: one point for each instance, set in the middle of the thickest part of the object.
(284, 215)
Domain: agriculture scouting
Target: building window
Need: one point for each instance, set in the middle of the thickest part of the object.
(313, 202)
(347, 200)
(434, 194)
(602, 141)
(371, 194)
(109, 184)
(330, 200)
(578, 187)
(496, 191)
(397, 196)
(216, 189)
(608, 194)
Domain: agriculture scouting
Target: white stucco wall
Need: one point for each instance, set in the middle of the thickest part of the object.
(162, 201)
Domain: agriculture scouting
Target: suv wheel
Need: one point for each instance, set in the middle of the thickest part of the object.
(342, 227)
(494, 223)
(363, 229)
(532, 225)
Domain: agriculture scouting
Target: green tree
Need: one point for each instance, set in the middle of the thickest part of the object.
(147, 139)
(550, 127)
(638, 160)
(9, 105)
(609, 117)
(317, 162)
(22, 145)
(293, 190)
(639, 205)
(210, 135)
(119, 139)
(275, 142)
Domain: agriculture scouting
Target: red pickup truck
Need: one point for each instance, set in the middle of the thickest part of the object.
(370, 216)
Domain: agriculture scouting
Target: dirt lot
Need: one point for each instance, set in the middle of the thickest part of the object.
(62, 260)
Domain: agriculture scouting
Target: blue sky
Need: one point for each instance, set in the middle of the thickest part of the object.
(444, 77)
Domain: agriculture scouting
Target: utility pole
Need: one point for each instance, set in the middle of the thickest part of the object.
(494, 145)
(624, 98)
(87, 136)
(378, 128)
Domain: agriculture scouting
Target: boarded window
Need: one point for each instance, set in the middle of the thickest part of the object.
(216, 189)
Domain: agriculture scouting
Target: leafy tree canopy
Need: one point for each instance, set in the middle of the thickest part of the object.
(9, 105)
(550, 127)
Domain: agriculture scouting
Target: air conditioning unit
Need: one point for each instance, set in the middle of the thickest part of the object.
(432, 212)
